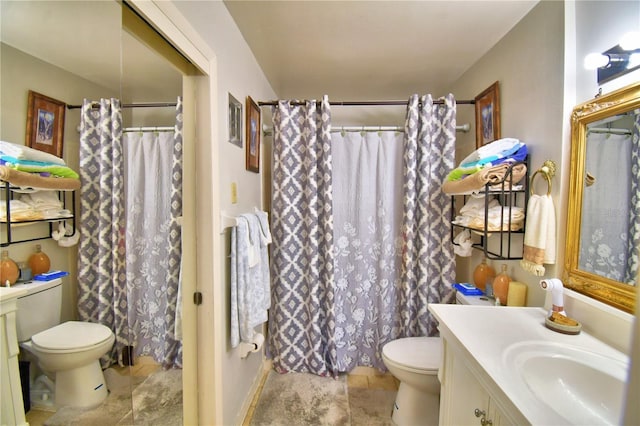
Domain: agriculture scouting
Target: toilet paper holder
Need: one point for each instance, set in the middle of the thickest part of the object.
(249, 347)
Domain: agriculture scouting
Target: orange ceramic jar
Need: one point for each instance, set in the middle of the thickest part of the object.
(39, 262)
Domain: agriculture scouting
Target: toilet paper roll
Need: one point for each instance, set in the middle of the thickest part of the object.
(254, 346)
(517, 295)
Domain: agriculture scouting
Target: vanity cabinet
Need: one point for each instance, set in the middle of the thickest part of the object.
(506, 241)
(463, 399)
(11, 402)
(8, 225)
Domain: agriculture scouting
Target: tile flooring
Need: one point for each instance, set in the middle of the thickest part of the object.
(144, 366)
(361, 379)
(363, 386)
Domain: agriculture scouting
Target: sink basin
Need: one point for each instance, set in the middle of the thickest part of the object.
(581, 386)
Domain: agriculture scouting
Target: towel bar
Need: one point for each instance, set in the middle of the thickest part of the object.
(548, 170)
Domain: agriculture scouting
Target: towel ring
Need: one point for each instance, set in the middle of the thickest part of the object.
(548, 170)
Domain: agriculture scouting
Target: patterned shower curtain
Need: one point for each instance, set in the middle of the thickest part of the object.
(633, 245)
(128, 274)
(102, 294)
(604, 243)
(301, 318)
(428, 260)
(153, 245)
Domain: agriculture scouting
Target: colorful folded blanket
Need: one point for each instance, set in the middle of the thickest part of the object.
(31, 180)
(38, 167)
(491, 175)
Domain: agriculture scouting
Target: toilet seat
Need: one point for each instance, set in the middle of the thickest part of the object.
(71, 336)
(420, 354)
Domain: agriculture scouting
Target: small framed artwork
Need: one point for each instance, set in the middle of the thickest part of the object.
(45, 123)
(235, 121)
(488, 115)
(253, 136)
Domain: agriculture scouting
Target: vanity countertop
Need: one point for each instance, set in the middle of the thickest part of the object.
(483, 335)
(8, 293)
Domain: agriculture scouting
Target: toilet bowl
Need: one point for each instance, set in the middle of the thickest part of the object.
(415, 361)
(72, 351)
(68, 353)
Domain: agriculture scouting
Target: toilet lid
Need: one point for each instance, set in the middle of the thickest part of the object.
(422, 353)
(72, 335)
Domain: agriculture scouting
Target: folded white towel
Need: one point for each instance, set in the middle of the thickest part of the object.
(22, 152)
(42, 200)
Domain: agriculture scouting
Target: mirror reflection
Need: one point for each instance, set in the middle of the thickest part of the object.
(603, 220)
(610, 230)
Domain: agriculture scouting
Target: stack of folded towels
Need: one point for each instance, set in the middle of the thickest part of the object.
(35, 206)
(489, 164)
(25, 167)
(499, 218)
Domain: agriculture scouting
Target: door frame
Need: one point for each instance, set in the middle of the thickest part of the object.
(201, 248)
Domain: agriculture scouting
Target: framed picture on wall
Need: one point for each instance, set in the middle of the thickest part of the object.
(253, 135)
(488, 115)
(45, 123)
(235, 121)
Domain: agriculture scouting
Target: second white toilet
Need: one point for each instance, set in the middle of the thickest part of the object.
(69, 351)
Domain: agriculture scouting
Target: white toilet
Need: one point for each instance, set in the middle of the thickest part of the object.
(70, 351)
(415, 361)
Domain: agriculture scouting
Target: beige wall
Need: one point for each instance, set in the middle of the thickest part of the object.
(540, 73)
(528, 63)
(238, 74)
(21, 73)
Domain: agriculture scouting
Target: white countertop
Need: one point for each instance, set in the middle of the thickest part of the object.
(482, 334)
(8, 293)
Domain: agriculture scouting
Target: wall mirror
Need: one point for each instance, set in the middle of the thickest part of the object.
(603, 225)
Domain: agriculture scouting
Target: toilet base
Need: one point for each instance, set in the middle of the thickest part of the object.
(413, 407)
(83, 387)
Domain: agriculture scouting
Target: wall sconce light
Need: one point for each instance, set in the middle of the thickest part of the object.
(617, 61)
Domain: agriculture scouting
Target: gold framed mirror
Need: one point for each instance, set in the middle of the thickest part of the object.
(603, 224)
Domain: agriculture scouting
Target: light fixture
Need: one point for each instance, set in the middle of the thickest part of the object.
(634, 60)
(617, 61)
(630, 41)
(593, 61)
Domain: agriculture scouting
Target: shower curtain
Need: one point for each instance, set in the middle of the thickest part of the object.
(601, 237)
(130, 245)
(153, 245)
(633, 244)
(428, 260)
(301, 318)
(367, 193)
(389, 264)
(101, 266)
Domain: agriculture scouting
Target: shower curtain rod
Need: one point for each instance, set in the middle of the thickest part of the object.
(611, 130)
(140, 105)
(364, 103)
(149, 129)
(268, 131)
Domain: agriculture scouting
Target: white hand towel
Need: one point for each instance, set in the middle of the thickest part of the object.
(265, 233)
(540, 235)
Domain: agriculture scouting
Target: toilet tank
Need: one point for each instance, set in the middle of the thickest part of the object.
(39, 309)
(462, 299)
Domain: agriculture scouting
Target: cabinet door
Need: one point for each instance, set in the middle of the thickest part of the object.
(461, 394)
